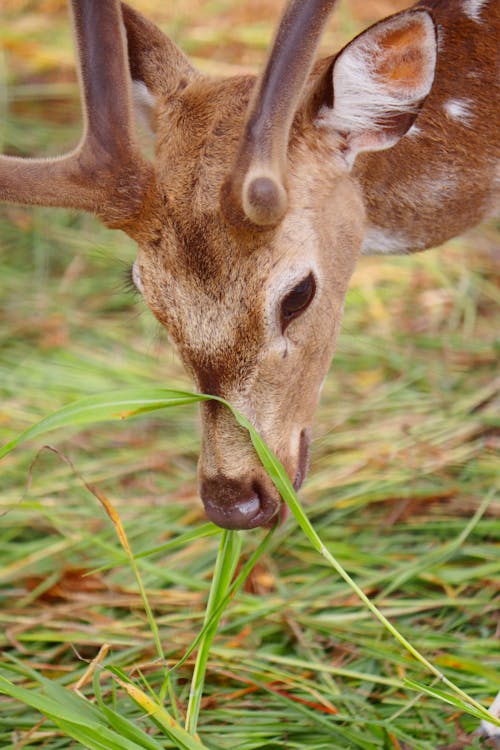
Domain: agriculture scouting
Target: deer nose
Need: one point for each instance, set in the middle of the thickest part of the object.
(234, 504)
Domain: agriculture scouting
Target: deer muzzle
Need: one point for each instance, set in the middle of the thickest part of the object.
(249, 499)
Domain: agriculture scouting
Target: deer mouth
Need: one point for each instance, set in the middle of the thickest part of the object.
(283, 510)
(245, 504)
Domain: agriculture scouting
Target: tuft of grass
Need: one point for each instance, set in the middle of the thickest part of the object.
(128, 404)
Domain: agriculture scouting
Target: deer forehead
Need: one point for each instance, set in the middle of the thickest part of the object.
(197, 138)
(198, 135)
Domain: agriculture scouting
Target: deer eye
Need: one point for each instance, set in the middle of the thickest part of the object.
(297, 300)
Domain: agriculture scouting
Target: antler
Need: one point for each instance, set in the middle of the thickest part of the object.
(106, 173)
(257, 184)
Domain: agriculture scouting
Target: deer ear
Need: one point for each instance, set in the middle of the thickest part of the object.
(379, 82)
(153, 59)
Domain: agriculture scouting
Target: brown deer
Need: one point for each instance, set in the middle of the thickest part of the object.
(263, 192)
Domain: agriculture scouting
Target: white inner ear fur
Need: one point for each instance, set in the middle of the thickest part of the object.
(144, 106)
(363, 101)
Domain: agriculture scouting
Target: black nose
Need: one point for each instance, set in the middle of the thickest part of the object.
(232, 504)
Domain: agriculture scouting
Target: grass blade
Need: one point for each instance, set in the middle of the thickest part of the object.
(103, 407)
(75, 716)
(227, 559)
(182, 739)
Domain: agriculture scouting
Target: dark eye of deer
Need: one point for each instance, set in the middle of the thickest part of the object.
(297, 300)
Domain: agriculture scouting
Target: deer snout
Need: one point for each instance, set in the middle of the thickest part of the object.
(248, 502)
(239, 504)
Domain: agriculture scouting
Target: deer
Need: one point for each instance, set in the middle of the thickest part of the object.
(264, 191)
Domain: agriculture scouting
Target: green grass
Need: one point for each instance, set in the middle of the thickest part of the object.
(401, 491)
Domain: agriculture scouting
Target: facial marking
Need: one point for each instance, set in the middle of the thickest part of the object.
(217, 331)
(290, 269)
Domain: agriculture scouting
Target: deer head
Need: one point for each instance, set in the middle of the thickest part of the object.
(248, 221)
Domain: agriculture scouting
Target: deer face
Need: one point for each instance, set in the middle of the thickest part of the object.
(247, 220)
(254, 314)
(248, 247)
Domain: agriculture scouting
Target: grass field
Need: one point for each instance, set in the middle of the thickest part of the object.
(403, 486)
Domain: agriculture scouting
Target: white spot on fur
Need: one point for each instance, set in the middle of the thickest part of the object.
(414, 131)
(428, 190)
(459, 109)
(473, 8)
(383, 241)
(436, 187)
(143, 94)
